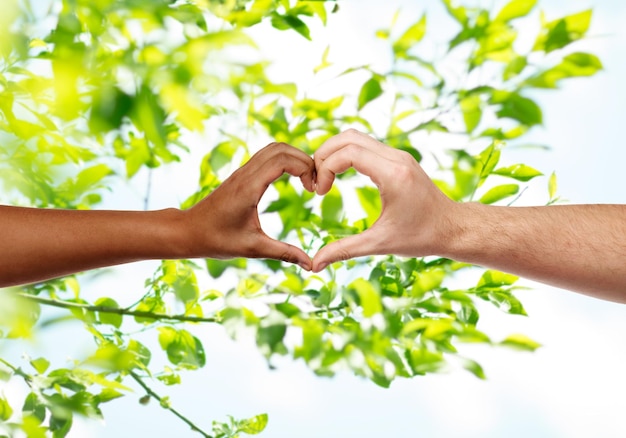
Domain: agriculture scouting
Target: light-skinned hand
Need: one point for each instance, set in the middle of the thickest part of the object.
(414, 211)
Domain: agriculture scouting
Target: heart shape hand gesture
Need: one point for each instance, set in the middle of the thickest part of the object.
(412, 222)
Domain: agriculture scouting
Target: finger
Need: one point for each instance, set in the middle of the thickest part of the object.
(346, 249)
(351, 136)
(274, 160)
(276, 250)
(360, 158)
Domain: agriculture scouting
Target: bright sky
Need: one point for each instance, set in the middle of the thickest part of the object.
(572, 387)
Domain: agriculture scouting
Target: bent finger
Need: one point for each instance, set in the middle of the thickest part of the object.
(277, 250)
(351, 136)
(271, 162)
(356, 156)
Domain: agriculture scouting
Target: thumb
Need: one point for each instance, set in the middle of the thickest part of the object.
(345, 249)
(276, 250)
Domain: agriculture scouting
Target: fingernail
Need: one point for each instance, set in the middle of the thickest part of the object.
(305, 265)
(321, 266)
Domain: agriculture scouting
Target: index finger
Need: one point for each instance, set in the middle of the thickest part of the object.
(351, 136)
(352, 155)
(271, 162)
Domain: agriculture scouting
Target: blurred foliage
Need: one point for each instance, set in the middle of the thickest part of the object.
(93, 92)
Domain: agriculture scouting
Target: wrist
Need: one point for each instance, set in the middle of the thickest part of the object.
(464, 231)
(176, 240)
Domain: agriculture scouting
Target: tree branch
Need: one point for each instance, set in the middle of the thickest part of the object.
(166, 405)
(18, 372)
(8, 365)
(329, 309)
(115, 310)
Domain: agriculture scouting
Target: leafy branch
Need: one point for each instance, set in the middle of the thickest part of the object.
(165, 404)
(116, 311)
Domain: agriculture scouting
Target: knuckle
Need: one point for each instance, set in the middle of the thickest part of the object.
(402, 172)
(352, 132)
(406, 157)
(282, 157)
(288, 257)
(344, 255)
(352, 149)
(342, 252)
(276, 146)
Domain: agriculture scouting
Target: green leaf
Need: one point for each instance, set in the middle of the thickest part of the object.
(552, 186)
(514, 67)
(474, 368)
(288, 21)
(324, 63)
(427, 280)
(292, 284)
(170, 379)
(369, 297)
(151, 305)
(515, 9)
(423, 361)
(247, 18)
(561, 32)
(488, 159)
(322, 297)
(270, 338)
(312, 332)
(370, 201)
(108, 394)
(182, 348)
(60, 425)
(459, 13)
(370, 91)
(222, 154)
(140, 354)
(197, 48)
(520, 342)
(91, 176)
(181, 279)
(250, 286)
(573, 65)
(389, 286)
(217, 267)
(472, 112)
(5, 409)
(149, 116)
(32, 427)
(288, 309)
(431, 328)
(34, 407)
(491, 278)
(412, 36)
(520, 172)
(139, 154)
(254, 425)
(332, 206)
(292, 207)
(517, 107)
(110, 106)
(498, 193)
(113, 319)
(319, 8)
(504, 300)
(471, 335)
(40, 365)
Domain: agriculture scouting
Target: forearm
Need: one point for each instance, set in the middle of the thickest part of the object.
(39, 244)
(576, 247)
